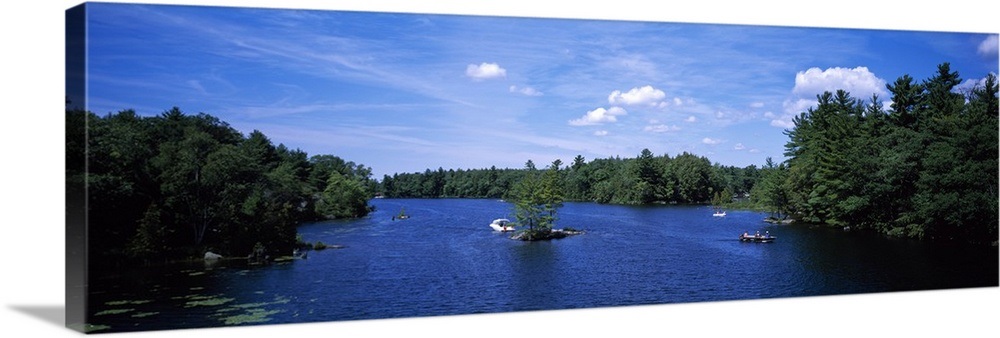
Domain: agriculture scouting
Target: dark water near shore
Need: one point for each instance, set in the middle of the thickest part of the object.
(445, 260)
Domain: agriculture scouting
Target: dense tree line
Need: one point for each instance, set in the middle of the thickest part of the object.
(645, 179)
(476, 183)
(926, 168)
(175, 185)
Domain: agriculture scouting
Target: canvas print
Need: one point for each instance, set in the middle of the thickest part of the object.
(233, 166)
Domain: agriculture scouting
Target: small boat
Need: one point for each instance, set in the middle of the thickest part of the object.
(719, 214)
(402, 214)
(502, 225)
(757, 238)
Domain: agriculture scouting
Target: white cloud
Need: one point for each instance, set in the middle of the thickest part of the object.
(691, 119)
(794, 107)
(601, 133)
(617, 111)
(754, 151)
(525, 91)
(769, 115)
(739, 146)
(661, 128)
(858, 81)
(485, 71)
(757, 105)
(711, 141)
(646, 95)
(966, 86)
(599, 116)
(989, 46)
(677, 101)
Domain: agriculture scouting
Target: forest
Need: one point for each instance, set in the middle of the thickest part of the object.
(924, 168)
(644, 179)
(174, 186)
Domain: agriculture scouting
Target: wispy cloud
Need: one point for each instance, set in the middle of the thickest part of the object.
(527, 91)
(294, 43)
(661, 128)
(196, 85)
(284, 109)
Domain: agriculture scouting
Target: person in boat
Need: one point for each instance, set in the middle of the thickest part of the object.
(757, 235)
(767, 234)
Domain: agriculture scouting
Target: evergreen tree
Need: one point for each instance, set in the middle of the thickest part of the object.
(537, 198)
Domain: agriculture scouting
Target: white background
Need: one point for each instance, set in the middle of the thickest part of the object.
(32, 218)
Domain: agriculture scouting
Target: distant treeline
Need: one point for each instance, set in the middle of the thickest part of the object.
(644, 179)
(174, 185)
(926, 168)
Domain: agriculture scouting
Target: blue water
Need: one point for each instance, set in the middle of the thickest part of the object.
(446, 260)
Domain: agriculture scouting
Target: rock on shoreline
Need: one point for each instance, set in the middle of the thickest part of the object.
(773, 220)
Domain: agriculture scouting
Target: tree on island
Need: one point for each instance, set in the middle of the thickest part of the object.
(537, 198)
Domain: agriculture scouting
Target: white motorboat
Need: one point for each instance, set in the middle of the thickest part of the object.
(502, 225)
(719, 214)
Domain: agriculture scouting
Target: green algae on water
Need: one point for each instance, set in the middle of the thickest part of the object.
(208, 302)
(250, 317)
(128, 302)
(89, 328)
(113, 312)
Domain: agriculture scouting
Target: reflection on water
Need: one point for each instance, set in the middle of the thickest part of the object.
(446, 260)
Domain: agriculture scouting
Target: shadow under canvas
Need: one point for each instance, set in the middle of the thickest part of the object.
(53, 314)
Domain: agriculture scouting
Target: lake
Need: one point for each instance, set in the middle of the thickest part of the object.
(445, 260)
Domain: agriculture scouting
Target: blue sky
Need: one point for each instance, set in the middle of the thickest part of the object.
(407, 92)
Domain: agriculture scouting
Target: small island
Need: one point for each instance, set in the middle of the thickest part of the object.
(537, 197)
(545, 235)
